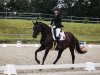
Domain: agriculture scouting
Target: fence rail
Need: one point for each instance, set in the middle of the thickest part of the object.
(13, 15)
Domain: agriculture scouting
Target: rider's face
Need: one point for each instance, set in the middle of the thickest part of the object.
(56, 12)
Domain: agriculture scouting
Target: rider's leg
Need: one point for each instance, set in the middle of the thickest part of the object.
(58, 36)
(58, 30)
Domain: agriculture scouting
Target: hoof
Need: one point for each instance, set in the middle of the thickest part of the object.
(54, 63)
(38, 61)
(72, 68)
(40, 69)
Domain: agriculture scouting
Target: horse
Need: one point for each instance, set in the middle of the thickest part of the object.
(47, 42)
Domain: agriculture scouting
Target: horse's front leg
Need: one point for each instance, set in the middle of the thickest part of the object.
(58, 57)
(41, 48)
(45, 55)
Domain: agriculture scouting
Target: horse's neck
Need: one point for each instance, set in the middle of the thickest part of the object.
(46, 31)
(46, 34)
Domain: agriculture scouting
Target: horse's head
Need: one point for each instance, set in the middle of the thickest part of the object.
(36, 29)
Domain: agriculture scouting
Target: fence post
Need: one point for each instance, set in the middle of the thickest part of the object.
(21, 38)
(97, 20)
(71, 18)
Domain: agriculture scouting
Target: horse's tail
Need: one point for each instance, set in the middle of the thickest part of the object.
(78, 49)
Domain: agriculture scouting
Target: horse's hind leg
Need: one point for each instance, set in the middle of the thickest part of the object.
(72, 53)
(41, 48)
(58, 57)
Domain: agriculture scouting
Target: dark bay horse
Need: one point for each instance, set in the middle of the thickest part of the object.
(47, 41)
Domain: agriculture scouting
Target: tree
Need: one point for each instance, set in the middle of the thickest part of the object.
(42, 6)
(18, 5)
(2, 6)
(88, 8)
(78, 9)
(22, 5)
(95, 8)
(12, 5)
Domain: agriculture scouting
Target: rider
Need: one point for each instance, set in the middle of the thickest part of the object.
(56, 22)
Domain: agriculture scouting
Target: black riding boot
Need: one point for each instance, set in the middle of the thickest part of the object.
(58, 42)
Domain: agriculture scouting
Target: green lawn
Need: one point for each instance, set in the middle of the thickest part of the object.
(84, 32)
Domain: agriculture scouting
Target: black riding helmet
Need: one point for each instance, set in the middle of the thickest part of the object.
(56, 8)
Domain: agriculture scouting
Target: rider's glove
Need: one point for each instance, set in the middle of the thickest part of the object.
(49, 25)
(53, 26)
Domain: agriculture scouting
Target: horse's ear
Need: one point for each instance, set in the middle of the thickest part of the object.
(33, 22)
(36, 22)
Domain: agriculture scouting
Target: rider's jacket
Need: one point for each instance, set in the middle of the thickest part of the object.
(56, 20)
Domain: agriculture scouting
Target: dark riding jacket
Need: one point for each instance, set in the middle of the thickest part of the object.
(56, 20)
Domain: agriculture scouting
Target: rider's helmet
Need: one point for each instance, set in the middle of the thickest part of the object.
(56, 9)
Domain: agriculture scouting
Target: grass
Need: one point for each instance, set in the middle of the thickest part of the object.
(10, 26)
(83, 31)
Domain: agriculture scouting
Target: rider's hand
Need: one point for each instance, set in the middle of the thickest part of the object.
(49, 25)
(53, 26)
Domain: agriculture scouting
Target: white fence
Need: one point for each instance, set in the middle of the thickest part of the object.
(12, 69)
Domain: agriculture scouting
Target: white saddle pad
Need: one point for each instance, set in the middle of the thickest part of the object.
(62, 35)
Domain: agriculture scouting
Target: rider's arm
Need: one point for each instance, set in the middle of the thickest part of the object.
(52, 21)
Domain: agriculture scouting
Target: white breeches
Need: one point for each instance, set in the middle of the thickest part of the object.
(58, 30)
